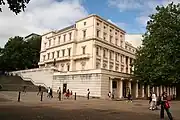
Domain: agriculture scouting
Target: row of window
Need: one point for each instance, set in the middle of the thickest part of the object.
(105, 66)
(111, 55)
(62, 52)
(52, 42)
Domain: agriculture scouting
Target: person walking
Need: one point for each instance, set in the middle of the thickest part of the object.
(153, 101)
(39, 89)
(88, 93)
(165, 106)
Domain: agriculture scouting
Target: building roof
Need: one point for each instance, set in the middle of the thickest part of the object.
(66, 28)
(32, 35)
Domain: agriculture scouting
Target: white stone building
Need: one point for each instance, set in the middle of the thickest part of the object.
(91, 54)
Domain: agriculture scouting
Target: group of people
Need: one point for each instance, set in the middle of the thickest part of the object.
(129, 96)
(162, 101)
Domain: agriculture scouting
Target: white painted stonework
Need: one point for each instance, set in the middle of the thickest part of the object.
(91, 54)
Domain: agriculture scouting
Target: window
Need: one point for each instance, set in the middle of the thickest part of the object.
(98, 33)
(97, 65)
(70, 36)
(65, 38)
(116, 42)
(97, 24)
(104, 27)
(117, 57)
(126, 47)
(105, 36)
(122, 57)
(117, 68)
(110, 53)
(52, 55)
(63, 53)
(69, 51)
(49, 43)
(122, 68)
(68, 67)
(121, 43)
(115, 33)
(84, 33)
(59, 39)
(84, 23)
(121, 36)
(104, 53)
(48, 55)
(97, 51)
(44, 57)
(111, 37)
(54, 40)
(57, 54)
(83, 49)
(45, 45)
(110, 30)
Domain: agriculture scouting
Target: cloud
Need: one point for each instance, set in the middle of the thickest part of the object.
(40, 17)
(134, 39)
(143, 7)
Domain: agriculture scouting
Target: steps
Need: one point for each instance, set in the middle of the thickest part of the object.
(16, 83)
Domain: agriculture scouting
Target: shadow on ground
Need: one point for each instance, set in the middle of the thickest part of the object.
(48, 113)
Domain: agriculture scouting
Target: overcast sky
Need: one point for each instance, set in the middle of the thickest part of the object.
(45, 15)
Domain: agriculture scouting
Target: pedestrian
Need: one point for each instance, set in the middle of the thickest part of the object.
(109, 95)
(165, 106)
(59, 91)
(129, 97)
(39, 89)
(48, 91)
(88, 93)
(51, 93)
(153, 101)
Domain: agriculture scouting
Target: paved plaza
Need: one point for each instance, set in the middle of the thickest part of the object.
(31, 108)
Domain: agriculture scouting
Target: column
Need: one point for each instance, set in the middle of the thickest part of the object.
(161, 90)
(142, 91)
(157, 91)
(101, 53)
(148, 90)
(120, 89)
(153, 89)
(172, 90)
(164, 90)
(137, 95)
(168, 90)
(129, 85)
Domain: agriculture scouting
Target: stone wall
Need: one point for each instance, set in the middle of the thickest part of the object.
(79, 83)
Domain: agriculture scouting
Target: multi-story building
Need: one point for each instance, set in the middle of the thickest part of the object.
(91, 54)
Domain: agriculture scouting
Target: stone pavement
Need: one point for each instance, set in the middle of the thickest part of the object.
(81, 109)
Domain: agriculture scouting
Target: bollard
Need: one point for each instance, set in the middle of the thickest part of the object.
(75, 96)
(41, 95)
(19, 96)
(59, 96)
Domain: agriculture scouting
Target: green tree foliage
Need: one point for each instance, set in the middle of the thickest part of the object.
(16, 6)
(158, 60)
(19, 54)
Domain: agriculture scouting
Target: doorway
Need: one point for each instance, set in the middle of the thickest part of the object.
(64, 88)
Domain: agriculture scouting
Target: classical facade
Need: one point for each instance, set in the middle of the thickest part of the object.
(91, 54)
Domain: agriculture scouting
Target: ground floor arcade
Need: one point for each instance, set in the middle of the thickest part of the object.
(101, 82)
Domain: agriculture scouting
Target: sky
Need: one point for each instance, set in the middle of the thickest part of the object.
(42, 16)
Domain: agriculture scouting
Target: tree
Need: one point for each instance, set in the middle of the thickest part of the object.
(16, 6)
(158, 60)
(19, 54)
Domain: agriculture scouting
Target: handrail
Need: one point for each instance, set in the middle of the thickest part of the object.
(26, 79)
